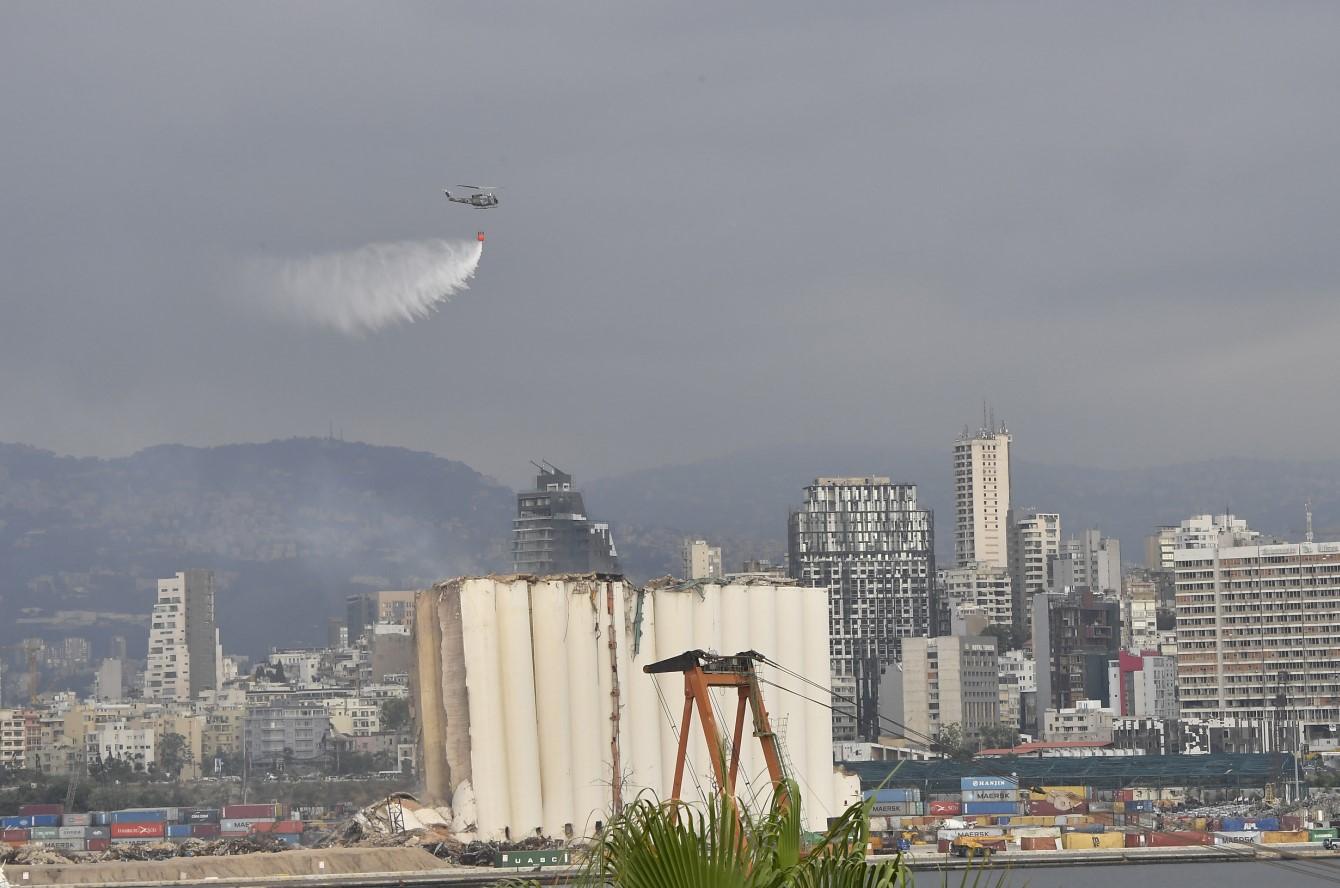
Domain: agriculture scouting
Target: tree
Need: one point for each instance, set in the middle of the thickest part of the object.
(949, 740)
(395, 715)
(174, 754)
(1008, 638)
(999, 736)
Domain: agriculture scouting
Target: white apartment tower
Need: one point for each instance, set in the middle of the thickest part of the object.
(982, 497)
(1035, 540)
(185, 656)
(950, 680)
(701, 561)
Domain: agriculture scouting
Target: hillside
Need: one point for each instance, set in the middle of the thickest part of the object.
(291, 526)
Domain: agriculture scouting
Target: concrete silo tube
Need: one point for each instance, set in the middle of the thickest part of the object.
(549, 625)
(520, 737)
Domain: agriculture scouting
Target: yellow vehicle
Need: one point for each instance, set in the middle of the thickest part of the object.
(976, 846)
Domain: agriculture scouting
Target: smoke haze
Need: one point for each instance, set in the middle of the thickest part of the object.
(367, 289)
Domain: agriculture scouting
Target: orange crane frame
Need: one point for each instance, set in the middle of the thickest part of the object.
(702, 672)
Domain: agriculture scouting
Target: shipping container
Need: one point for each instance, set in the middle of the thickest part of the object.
(1053, 809)
(978, 831)
(179, 830)
(65, 844)
(288, 827)
(204, 829)
(251, 812)
(46, 819)
(97, 832)
(203, 815)
(233, 834)
(71, 832)
(241, 825)
(29, 810)
(989, 795)
(975, 784)
(1179, 837)
(1321, 835)
(126, 840)
(1291, 822)
(98, 844)
(100, 818)
(138, 830)
(896, 809)
(45, 832)
(289, 838)
(1139, 806)
(1264, 824)
(1075, 841)
(897, 794)
(1037, 843)
(157, 815)
(1237, 835)
(943, 808)
(16, 822)
(1283, 837)
(14, 836)
(971, 808)
(76, 820)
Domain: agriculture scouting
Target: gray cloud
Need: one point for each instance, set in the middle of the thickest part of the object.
(723, 225)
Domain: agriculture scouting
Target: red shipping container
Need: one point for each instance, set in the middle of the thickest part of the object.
(19, 836)
(144, 830)
(263, 826)
(1037, 843)
(247, 812)
(290, 827)
(1291, 822)
(98, 844)
(1125, 795)
(1136, 840)
(29, 810)
(232, 834)
(943, 809)
(204, 829)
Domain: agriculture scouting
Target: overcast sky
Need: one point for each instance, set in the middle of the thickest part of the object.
(723, 225)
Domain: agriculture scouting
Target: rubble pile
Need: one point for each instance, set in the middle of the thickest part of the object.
(401, 821)
(36, 855)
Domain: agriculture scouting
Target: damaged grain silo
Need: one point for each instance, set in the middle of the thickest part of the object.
(535, 714)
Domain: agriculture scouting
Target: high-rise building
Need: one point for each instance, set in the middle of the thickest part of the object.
(982, 496)
(1074, 636)
(1258, 631)
(1142, 685)
(866, 540)
(1207, 531)
(365, 609)
(1139, 614)
(950, 680)
(1090, 561)
(1035, 541)
(552, 533)
(1160, 546)
(701, 561)
(979, 588)
(185, 656)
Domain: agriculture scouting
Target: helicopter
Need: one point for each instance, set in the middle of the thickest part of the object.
(482, 199)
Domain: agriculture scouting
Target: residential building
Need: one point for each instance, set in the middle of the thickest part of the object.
(1087, 721)
(1018, 684)
(302, 667)
(222, 735)
(1160, 546)
(950, 680)
(1090, 561)
(354, 716)
(107, 683)
(552, 533)
(13, 738)
(1034, 542)
(273, 735)
(866, 540)
(1258, 635)
(123, 740)
(981, 587)
(185, 656)
(364, 609)
(701, 561)
(982, 496)
(1213, 531)
(1139, 614)
(1142, 685)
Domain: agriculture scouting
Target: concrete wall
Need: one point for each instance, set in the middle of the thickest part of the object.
(526, 689)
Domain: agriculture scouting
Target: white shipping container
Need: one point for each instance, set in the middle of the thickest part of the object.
(71, 832)
(242, 824)
(77, 819)
(1248, 836)
(970, 831)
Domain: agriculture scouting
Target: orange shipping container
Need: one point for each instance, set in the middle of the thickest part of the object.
(1037, 843)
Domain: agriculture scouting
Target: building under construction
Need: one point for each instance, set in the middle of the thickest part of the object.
(538, 719)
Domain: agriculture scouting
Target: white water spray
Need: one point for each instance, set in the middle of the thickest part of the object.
(364, 290)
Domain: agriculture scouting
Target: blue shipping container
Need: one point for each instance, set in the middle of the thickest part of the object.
(988, 783)
(289, 838)
(1228, 824)
(99, 818)
(990, 807)
(16, 822)
(1270, 824)
(1145, 806)
(138, 816)
(894, 795)
(46, 820)
(178, 830)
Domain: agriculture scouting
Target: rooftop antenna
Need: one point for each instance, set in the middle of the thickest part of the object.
(1307, 507)
(538, 466)
(552, 466)
(984, 414)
